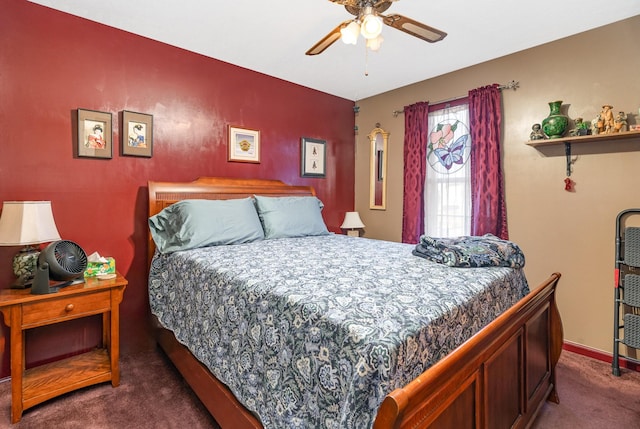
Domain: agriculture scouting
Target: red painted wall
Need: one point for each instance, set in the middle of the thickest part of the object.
(52, 63)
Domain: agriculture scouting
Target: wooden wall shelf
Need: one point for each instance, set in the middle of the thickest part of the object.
(584, 139)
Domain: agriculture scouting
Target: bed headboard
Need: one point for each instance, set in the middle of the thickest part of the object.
(163, 194)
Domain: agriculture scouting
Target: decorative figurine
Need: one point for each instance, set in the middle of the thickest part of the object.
(581, 128)
(606, 117)
(620, 123)
(536, 133)
(596, 125)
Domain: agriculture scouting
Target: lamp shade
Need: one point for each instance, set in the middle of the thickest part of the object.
(27, 222)
(374, 44)
(350, 32)
(351, 221)
(371, 26)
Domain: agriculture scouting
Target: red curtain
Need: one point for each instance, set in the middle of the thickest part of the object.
(488, 209)
(416, 134)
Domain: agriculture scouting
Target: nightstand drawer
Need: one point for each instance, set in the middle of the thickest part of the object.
(57, 310)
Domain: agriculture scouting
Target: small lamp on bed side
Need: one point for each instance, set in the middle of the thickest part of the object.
(352, 224)
(25, 223)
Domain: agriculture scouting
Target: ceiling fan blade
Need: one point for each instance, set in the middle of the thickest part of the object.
(327, 40)
(414, 28)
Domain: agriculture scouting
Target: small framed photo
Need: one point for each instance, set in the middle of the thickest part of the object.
(244, 145)
(94, 134)
(314, 156)
(137, 134)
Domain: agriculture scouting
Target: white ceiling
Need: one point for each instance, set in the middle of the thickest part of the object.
(272, 36)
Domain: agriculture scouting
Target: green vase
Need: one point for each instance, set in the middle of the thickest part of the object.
(556, 123)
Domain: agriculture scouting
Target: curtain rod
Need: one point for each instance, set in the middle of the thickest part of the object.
(511, 85)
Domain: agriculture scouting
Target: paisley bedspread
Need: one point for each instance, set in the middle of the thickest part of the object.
(471, 251)
(313, 332)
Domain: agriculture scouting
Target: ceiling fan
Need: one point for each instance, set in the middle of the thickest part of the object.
(368, 21)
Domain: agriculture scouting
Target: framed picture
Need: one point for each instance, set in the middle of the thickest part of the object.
(137, 134)
(244, 145)
(94, 134)
(314, 156)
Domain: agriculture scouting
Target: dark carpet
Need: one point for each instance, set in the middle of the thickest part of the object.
(153, 395)
(591, 397)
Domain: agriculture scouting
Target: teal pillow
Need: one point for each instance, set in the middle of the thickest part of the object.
(190, 224)
(290, 216)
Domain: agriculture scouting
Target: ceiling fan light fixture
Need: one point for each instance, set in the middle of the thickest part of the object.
(369, 21)
(371, 26)
(374, 44)
(350, 33)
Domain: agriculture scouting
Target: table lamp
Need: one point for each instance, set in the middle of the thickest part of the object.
(25, 223)
(352, 224)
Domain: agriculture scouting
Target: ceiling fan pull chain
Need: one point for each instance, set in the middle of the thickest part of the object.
(366, 61)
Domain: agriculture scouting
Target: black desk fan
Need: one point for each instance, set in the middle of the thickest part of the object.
(63, 261)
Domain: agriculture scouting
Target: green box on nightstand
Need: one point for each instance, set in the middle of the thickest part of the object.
(100, 268)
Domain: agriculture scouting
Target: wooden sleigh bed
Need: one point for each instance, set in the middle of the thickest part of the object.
(499, 378)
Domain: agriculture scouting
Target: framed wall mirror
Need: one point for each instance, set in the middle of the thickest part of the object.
(379, 140)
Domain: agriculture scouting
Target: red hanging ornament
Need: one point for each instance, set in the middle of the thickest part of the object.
(568, 185)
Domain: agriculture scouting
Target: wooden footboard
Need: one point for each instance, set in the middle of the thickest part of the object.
(499, 378)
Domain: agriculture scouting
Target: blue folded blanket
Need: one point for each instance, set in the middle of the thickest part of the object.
(470, 251)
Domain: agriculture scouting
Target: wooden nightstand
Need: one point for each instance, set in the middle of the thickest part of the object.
(22, 311)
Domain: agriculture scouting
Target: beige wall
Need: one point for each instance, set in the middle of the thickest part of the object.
(573, 233)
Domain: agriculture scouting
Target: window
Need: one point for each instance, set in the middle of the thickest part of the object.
(447, 190)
